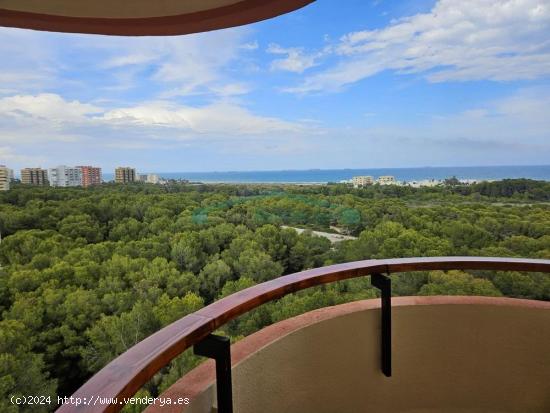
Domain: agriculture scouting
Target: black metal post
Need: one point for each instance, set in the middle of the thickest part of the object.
(219, 349)
(384, 284)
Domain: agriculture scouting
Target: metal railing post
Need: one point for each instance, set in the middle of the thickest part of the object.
(219, 349)
(383, 283)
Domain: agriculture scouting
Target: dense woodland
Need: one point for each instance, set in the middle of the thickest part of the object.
(87, 273)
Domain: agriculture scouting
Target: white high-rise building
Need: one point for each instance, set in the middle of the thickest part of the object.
(5, 178)
(65, 176)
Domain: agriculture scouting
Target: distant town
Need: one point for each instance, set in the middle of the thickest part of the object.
(363, 181)
(72, 176)
(85, 176)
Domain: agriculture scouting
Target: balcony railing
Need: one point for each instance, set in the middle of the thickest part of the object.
(126, 374)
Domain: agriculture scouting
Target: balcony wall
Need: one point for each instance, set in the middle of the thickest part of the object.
(450, 354)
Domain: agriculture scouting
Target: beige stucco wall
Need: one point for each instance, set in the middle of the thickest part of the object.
(451, 354)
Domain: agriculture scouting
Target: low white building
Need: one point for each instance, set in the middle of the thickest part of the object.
(64, 176)
(359, 181)
(153, 179)
(387, 180)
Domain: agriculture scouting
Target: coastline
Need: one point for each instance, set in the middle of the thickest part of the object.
(326, 176)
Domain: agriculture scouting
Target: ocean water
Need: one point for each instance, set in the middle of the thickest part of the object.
(539, 172)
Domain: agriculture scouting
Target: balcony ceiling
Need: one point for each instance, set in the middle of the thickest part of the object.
(139, 17)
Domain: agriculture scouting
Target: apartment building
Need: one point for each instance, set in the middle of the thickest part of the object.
(359, 181)
(125, 174)
(91, 175)
(65, 176)
(387, 180)
(34, 176)
(4, 178)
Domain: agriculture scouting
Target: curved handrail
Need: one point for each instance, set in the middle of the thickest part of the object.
(126, 374)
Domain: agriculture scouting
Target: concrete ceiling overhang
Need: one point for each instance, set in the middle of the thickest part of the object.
(140, 17)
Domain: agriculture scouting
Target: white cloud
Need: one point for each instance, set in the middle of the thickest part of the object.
(130, 59)
(514, 130)
(194, 64)
(250, 46)
(295, 61)
(499, 40)
(50, 117)
(224, 119)
(46, 106)
(8, 157)
(518, 122)
(49, 129)
(26, 62)
(502, 131)
(180, 65)
(520, 119)
(47, 117)
(231, 89)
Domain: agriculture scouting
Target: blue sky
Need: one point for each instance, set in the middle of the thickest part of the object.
(337, 84)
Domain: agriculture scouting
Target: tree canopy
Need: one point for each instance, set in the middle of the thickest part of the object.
(87, 273)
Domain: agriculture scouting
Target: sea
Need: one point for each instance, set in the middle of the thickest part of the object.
(322, 176)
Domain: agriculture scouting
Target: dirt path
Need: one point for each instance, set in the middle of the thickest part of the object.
(328, 235)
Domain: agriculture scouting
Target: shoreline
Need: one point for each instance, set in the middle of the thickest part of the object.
(414, 176)
(412, 183)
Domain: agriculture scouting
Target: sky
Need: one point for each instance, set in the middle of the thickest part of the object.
(337, 84)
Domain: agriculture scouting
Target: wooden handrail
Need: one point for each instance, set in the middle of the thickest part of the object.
(126, 374)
